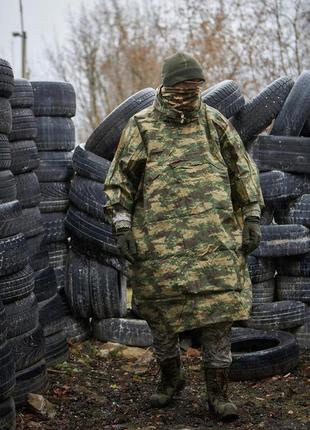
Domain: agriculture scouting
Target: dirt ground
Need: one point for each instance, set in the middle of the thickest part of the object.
(106, 387)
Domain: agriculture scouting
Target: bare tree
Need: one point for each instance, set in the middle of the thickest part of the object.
(115, 50)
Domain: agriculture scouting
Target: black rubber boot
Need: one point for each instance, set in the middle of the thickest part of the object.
(171, 381)
(217, 386)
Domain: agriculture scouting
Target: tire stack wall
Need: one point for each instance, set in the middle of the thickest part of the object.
(95, 286)
(283, 160)
(54, 107)
(25, 164)
(7, 239)
(25, 337)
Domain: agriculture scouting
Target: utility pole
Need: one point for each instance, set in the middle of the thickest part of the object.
(23, 35)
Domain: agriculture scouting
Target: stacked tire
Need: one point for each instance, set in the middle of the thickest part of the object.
(95, 286)
(25, 164)
(7, 360)
(54, 107)
(283, 160)
(25, 337)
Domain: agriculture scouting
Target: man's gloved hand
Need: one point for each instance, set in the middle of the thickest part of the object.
(251, 234)
(126, 243)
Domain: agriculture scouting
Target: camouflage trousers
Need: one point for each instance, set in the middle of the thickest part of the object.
(215, 341)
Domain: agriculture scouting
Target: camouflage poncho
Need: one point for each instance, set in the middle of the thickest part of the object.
(183, 179)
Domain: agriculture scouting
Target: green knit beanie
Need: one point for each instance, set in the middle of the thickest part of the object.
(180, 67)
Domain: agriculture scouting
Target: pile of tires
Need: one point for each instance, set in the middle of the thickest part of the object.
(54, 107)
(8, 238)
(22, 338)
(25, 165)
(283, 161)
(95, 286)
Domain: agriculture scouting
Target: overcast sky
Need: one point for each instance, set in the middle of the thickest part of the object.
(45, 21)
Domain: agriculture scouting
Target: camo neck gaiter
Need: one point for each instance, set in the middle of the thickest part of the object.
(182, 99)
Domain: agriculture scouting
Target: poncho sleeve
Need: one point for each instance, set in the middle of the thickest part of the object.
(124, 175)
(244, 179)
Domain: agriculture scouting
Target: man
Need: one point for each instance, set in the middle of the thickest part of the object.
(185, 202)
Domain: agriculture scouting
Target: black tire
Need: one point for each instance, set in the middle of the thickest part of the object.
(263, 292)
(259, 112)
(55, 166)
(288, 154)
(58, 254)
(260, 269)
(28, 189)
(225, 96)
(93, 290)
(30, 380)
(302, 333)
(55, 134)
(127, 331)
(97, 234)
(17, 286)
(298, 265)
(6, 118)
(13, 254)
(54, 225)
(88, 196)
(293, 288)
(7, 415)
(3, 324)
(22, 96)
(51, 315)
(31, 222)
(280, 187)
(45, 285)
(22, 315)
(6, 79)
(76, 330)
(277, 315)
(90, 165)
(5, 153)
(25, 156)
(260, 354)
(28, 348)
(283, 240)
(7, 186)
(54, 196)
(56, 351)
(10, 214)
(38, 255)
(104, 139)
(7, 371)
(24, 126)
(297, 212)
(295, 110)
(53, 98)
(82, 247)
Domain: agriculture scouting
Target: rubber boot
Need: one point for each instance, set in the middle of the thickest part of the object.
(217, 386)
(171, 381)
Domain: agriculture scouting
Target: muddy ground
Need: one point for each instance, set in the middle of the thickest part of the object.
(103, 387)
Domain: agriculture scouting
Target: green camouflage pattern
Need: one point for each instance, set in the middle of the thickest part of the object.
(184, 178)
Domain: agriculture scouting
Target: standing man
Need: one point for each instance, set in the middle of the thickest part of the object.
(185, 201)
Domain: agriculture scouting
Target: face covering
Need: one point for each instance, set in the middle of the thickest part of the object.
(185, 98)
